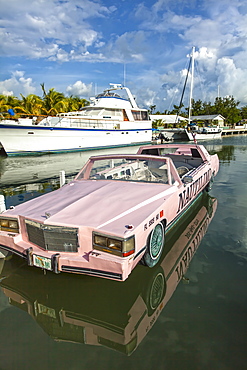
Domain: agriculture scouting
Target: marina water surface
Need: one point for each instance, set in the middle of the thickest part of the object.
(188, 312)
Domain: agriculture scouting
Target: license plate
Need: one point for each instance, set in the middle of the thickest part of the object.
(44, 310)
(43, 262)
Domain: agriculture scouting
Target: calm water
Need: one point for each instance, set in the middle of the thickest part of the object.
(161, 318)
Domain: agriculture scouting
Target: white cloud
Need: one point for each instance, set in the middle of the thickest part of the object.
(231, 79)
(79, 88)
(171, 78)
(152, 38)
(214, 25)
(148, 97)
(127, 47)
(40, 28)
(206, 57)
(17, 84)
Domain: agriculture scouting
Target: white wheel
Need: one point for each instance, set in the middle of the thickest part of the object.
(155, 245)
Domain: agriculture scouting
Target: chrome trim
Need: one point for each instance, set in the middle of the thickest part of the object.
(81, 270)
(20, 254)
(140, 251)
(52, 238)
(54, 263)
(29, 252)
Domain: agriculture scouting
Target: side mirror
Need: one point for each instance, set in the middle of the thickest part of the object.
(187, 179)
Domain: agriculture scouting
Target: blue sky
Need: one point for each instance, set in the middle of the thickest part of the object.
(80, 46)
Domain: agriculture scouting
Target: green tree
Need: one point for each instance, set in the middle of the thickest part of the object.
(4, 106)
(151, 109)
(197, 107)
(158, 123)
(53, 101)
(207, 108)
(7, 102)
(176, 109)
(74, 103)
(31, 105)
(243, 112)
(227, 107)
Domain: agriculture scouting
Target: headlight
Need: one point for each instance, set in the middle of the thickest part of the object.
(118, 246)
(9, 224)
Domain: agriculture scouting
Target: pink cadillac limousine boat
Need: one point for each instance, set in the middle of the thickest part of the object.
(114, 214)
(109, 314)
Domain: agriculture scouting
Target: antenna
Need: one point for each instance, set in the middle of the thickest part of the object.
(124, 73)
(192, 81)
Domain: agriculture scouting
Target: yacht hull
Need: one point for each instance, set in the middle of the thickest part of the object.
(201, 136)
(26, 140)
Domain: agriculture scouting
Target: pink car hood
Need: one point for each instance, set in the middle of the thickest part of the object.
(95, 203)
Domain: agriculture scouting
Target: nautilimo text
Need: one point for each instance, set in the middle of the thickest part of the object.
(194, 188)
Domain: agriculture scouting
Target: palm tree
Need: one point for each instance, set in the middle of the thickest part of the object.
(74, 103)
(7, 102)
(53, 101)
(30, 105)
(3, 104)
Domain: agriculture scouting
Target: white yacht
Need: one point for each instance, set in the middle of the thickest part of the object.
(193, 131)
(203, 133)
(110, 120)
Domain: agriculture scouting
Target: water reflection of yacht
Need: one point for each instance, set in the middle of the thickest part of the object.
(23, 170)
(84, 309)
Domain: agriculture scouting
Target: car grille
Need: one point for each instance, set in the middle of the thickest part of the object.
(52, 238)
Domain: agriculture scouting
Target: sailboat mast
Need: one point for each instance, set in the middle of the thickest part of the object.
(192, 82)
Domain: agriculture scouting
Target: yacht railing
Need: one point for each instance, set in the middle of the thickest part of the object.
(81, 123)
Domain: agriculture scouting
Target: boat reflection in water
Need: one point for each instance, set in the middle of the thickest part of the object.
(31, 169)
(118, 315)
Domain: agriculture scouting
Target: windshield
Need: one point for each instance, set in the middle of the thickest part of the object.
(126, 169)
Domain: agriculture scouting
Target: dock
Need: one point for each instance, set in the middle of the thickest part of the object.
(234, 131)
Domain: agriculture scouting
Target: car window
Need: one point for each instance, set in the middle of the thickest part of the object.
(129, 169)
